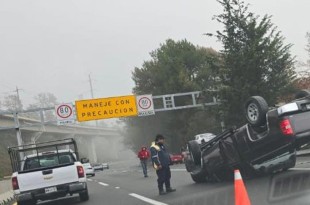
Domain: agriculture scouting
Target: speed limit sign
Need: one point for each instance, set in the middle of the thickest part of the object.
(145, 105)
(64, 113)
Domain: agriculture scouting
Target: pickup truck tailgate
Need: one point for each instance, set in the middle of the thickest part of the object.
(301, 124)
(47, 178)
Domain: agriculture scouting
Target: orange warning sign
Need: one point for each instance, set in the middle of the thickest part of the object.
(104, 108)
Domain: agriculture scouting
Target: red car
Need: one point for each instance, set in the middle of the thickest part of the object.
(176, 158)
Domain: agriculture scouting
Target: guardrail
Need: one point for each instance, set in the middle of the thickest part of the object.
(6, 198)
(303, 152)
(6, 193)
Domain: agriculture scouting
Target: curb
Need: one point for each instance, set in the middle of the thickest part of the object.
(7, 198)
(303, 153)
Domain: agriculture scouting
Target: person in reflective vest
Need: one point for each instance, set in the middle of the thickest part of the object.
(144, 155)
(161, 162)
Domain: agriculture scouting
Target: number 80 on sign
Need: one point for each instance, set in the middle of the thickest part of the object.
(64, 113)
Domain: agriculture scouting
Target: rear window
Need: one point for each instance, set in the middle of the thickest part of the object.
(87, 165)
(50, 160)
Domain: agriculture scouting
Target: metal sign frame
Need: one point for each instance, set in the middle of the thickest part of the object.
(168, 102)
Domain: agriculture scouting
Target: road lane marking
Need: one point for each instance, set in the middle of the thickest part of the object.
(178, 170)
(150, 201)
(300, 169)
(117, 187)
(89, 180)
(103, 184)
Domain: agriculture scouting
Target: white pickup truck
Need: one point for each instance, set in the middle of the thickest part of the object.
(46, 171)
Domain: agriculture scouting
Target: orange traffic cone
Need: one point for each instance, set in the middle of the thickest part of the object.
(241, 195)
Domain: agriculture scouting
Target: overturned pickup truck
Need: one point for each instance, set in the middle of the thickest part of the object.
(266, 144)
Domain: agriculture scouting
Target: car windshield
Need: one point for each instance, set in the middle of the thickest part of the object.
(49, 160)
(87, 165)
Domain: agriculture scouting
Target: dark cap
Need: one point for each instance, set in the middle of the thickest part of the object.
(159, 137)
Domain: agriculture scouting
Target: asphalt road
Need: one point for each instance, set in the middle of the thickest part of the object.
(124, 184)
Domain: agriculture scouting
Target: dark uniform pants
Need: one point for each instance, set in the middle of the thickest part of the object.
(164, 176)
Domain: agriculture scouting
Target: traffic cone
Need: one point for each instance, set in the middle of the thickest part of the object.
(241, 195)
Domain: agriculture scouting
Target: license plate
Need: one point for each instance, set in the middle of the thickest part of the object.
(50, 190)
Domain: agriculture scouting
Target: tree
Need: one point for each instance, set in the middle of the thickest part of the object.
(43, 100)
(303, 80)
(12, 103)
(256, 61)
(308, 47)
(307, 64)
(175, 67)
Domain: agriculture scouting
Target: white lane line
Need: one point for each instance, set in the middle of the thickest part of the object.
(150, 201)
(178, 170)
(301, 169)
(117, 187)
(103, 184)
(89, 180)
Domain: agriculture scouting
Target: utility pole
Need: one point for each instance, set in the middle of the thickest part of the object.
(17, 125)
(91, 87)
(92, 92)
(17, 101)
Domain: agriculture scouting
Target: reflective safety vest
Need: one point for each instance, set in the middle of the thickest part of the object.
(159, 156)
(155, 158)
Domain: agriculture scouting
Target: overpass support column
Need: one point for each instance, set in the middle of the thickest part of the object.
(114, 148)
(93, 150)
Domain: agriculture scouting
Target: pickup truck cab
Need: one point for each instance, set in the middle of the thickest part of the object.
(266, 144)
(52, 170)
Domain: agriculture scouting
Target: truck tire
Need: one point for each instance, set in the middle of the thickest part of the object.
(84, 196)
(256, 109)
(302, 94)
(194, 151)
(190, 165)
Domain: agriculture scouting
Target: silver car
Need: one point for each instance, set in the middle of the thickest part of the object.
(89, 170)
(205, 137)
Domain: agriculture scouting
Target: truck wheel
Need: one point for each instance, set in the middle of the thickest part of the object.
(256, 109)
(84, 195)
(190, 165)
(194, 151)
(302, 94)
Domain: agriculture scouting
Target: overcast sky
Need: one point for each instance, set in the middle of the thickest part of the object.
(52, 45)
